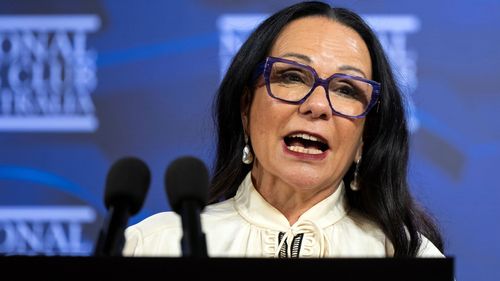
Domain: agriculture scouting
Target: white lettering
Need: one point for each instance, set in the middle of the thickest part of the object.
(44, 230)
(46, 73)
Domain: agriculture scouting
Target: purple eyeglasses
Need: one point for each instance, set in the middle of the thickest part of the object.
(293, 82)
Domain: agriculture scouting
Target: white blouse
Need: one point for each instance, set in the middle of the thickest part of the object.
(248, 226)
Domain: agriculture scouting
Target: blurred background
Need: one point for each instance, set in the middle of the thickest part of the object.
(85, 83)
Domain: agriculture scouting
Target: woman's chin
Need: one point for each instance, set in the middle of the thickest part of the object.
(302, 180)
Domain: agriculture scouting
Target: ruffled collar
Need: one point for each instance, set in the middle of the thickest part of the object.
(257, 211)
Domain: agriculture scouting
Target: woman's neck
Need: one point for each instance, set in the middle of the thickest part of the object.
(291, 201)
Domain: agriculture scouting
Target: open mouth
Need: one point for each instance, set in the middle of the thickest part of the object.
(305, 143)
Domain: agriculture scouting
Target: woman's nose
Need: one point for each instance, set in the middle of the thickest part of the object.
(317, 105)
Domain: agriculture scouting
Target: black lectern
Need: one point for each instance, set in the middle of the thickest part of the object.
(135, 268)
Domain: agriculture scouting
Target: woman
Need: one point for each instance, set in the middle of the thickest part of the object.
(312, 150)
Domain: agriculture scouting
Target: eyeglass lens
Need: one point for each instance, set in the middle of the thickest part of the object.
(292, 83)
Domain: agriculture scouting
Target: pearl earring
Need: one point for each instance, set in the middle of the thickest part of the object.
(355, 181)
(247, 157)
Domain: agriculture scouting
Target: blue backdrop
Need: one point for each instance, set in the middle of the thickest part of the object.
(84, 83)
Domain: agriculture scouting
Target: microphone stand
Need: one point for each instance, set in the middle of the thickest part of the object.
(193, 240)
(111, 237)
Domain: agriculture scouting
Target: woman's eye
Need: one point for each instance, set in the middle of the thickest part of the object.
(292, 77)
(347, 91)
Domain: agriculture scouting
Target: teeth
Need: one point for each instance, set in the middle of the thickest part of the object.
(300, 149)
(306, 137)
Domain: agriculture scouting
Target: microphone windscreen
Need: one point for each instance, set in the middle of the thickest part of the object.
(127, 183)
(186, 179)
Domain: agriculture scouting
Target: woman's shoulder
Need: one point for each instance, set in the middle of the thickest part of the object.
(157, 222)
(357, 235)
(155, 235)
(220, 210)
(359, 225)
(169, 220)
(362, 225)
(159, 234)
(428, 249)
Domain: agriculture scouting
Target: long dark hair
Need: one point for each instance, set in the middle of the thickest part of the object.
(384, 194)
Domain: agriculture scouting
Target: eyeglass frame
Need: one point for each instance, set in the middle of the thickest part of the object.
(266, 66)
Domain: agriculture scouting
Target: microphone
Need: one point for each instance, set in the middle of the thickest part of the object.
(186, 183)
(127, 184)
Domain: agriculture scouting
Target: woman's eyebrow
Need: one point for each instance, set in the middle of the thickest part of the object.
(352, 68)
(308, 60)
(299, 56)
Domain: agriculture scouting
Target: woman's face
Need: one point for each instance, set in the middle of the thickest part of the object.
(276, 129)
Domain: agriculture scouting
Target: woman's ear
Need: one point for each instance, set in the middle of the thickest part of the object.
(359, 151)
(244, 121)
(245, 102)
